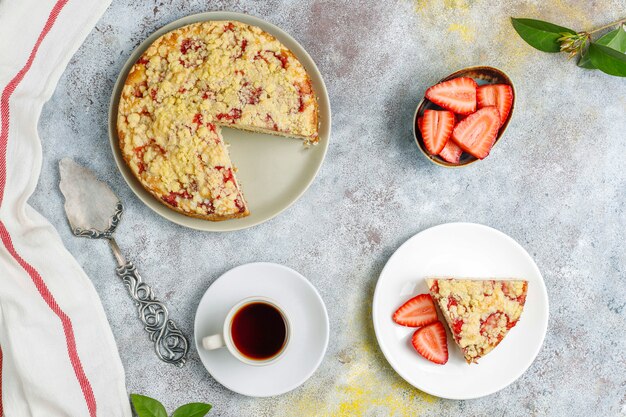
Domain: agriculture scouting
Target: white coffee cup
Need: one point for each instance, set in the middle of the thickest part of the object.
(225, 339)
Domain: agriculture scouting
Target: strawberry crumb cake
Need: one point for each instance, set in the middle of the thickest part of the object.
(479, 312)
(186, 85)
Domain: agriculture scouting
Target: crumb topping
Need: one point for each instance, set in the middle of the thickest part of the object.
(479, 312)
(187, 84)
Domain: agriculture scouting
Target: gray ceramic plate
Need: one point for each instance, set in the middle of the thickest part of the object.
(273, 171)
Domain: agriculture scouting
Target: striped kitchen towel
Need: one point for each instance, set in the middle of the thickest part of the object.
(57, 353)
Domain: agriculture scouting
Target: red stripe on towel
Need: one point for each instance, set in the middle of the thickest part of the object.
(4, 234)
(12, 85)
(66, 322)
(1, 409)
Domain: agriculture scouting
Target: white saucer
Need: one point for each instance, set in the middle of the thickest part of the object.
(309, 328)
(463, 250)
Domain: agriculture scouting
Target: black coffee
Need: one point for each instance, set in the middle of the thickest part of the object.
(258, 331)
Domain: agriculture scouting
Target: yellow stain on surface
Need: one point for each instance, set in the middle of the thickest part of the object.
(466, 33)
(367, 386)
(362, 382)
(366, 390)
(573, 16)
(463, 5)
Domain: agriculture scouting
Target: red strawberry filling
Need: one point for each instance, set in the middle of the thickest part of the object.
(231, 116)
(189, 44)
(239, 205)
(141, 150)
(208, 95)
(509, 294)
(208, 206)
(172, 197)
(138, 89)
(282, 58)
(492, 326)
(270, 120)
(227, 172)
(249, 94)
(303, 89)
(457, 326)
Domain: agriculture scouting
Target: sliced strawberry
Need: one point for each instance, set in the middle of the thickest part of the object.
(498, 95)
(477, 133)
(436, 127)
(418, 311)
(457, 95)
(451, 152)
(432, 343)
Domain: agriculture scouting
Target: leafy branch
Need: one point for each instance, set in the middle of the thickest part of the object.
(607, 53)
(149, 407)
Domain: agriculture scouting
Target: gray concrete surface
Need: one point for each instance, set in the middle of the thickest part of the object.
(556, 183)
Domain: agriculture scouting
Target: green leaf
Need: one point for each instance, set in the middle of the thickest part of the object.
(608, 60)
(615, 39)
(147, 407)
(539, 34)
(192, 410)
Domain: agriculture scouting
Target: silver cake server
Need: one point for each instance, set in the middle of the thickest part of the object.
(94, 211)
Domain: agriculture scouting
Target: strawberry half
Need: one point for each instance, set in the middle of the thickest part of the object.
(451, 152)
(477, 133)
(436, 128)
(457, 95)
(498, 95)
(432, 343)
(418, 311)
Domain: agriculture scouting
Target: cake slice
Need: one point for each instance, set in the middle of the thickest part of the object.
(479, 312)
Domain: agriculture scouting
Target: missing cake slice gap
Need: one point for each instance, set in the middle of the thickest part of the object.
(479, 312)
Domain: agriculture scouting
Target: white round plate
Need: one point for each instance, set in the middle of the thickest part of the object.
(460, 250)
(262, 160)
(309, 328)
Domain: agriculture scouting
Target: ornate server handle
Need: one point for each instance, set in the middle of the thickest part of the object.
(169, 343)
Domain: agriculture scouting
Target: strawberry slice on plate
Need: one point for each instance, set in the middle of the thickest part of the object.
(436, 128)
(432, 343)
(457, 95)
(418, 311)
(451, 152)
(498, 95)
(477, 133)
